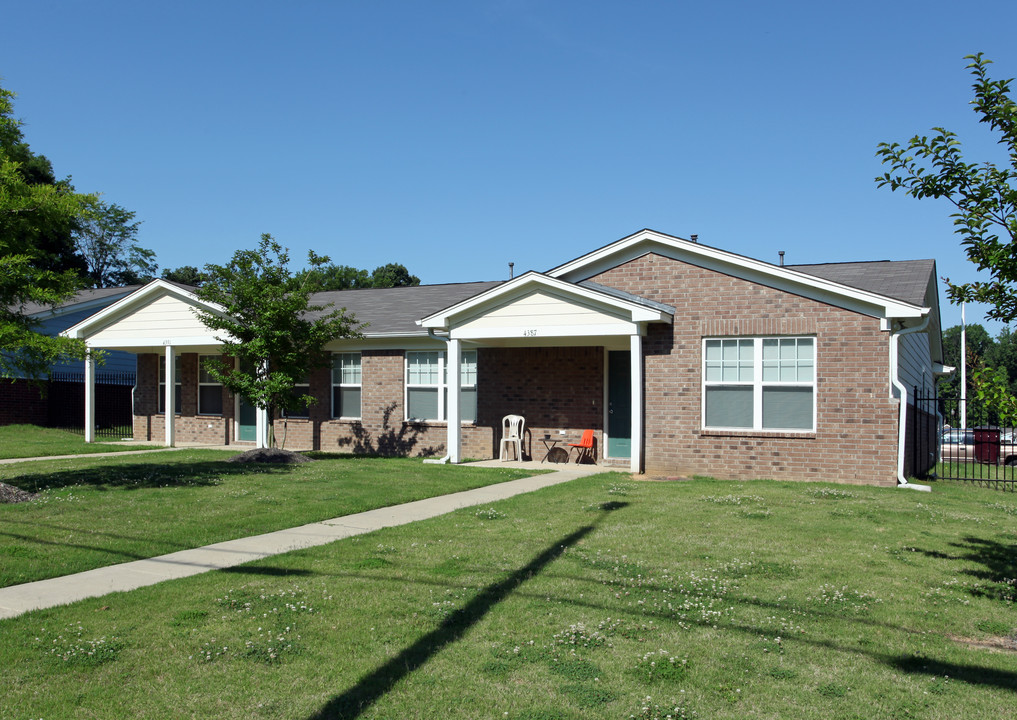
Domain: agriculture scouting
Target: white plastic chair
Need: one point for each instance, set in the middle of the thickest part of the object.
(512, 427)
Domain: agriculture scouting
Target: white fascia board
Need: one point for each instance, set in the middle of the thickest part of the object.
(547, 331)
(157, 342)
(756, 271)
(154, 289)
(639, 313)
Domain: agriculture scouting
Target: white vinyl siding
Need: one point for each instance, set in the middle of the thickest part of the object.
(209, 389)
(759, 384)
(427, 390)
(346, 385)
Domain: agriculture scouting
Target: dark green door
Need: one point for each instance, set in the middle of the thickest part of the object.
(247, 422)
(619, 404)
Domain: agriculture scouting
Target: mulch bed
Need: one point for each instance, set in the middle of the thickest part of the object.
(275, 456)
(11, 494)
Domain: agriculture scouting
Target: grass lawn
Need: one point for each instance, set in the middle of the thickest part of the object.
(101, 511)
(600, 598)
(25, 441)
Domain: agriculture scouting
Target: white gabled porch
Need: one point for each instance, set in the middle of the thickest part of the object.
(535, 311)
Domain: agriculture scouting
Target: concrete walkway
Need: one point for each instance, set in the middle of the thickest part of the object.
(19, 599)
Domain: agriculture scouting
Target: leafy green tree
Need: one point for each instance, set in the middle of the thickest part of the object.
(393, 275)
(268, 323)
(334, 277)
(185, 275)
(984, 194)
(31, 272)
(107, 239)
(980, 345)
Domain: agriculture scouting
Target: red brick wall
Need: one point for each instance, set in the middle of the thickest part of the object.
(856, 435)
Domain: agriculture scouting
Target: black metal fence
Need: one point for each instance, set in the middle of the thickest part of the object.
(972, 445)
(114, 412)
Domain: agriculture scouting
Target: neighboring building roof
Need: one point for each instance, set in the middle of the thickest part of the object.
(81, 297)
(395, 311)
(906, 280)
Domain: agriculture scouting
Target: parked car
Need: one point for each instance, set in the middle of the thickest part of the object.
(958, 446)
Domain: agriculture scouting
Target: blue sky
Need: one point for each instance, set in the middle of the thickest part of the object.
(455, 137)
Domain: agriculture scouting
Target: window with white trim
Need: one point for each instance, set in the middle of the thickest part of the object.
(346, 385)
(427, 387)
(760, 383)
(300, 388)
(162, 384)
(209, 389)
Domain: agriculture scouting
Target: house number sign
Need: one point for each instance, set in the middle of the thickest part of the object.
(529, 333)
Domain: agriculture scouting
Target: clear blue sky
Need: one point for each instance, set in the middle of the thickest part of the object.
(454, 137)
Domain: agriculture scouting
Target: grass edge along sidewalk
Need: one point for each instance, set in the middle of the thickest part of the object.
(18, 599)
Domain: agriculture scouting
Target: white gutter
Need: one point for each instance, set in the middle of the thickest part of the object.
(902, 482)
(442, 460)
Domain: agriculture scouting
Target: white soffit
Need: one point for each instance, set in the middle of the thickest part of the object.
(757, 271)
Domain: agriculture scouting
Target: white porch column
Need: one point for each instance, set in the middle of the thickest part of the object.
(171, 397)
(636, 360)
(261, 418)
(89, 397)
(260, 427)
(453, 371)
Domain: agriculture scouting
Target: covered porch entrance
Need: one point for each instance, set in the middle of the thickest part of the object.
(524, 325)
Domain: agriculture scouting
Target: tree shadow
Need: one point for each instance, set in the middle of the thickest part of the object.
(135, 476)
(390, 442)
(373, 686)
(997, 566)
(971, 674)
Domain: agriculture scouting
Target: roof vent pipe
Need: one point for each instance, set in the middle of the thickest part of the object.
(694, 238)
(512, 266)
(781, 253)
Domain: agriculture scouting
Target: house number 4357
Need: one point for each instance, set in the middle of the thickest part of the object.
(529, 333)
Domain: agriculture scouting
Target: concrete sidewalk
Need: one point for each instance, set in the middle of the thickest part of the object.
(19, 599)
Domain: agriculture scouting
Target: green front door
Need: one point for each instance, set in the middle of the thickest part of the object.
(247, 422)
(619, 404)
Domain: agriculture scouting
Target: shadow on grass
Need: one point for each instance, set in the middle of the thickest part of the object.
(373, 686)
(971, 674)
(266, 571)
(137, 475)
(997, 566)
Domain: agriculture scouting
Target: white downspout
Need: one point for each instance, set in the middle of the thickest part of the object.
(902, 481)
(441, 460)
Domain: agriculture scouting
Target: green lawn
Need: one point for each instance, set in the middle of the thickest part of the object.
(25, 441)
(600, 598)
(101, 511)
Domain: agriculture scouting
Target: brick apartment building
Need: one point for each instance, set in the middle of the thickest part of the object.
(684, 359)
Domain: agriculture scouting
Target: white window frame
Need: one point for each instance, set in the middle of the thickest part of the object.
(305, 386)
(208, 384)
(341, 384)
(468, 383)
(758, 384)
(178, 391)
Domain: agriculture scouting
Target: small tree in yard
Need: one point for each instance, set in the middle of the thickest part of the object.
(270, 326)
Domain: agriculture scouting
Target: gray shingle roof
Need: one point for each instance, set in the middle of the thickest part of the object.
(396, 310)
(82, 296)
(905, 280)
(615, 292)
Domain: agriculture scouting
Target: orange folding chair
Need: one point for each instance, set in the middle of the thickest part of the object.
(583, 448)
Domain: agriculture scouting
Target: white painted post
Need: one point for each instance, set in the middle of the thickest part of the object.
(453, 370)
(89, 397)
(171, 397)
(636, 359)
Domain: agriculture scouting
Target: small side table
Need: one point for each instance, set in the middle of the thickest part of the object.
(554, 453)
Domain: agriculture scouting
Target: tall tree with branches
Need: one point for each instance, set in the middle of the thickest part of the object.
(269, 324)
